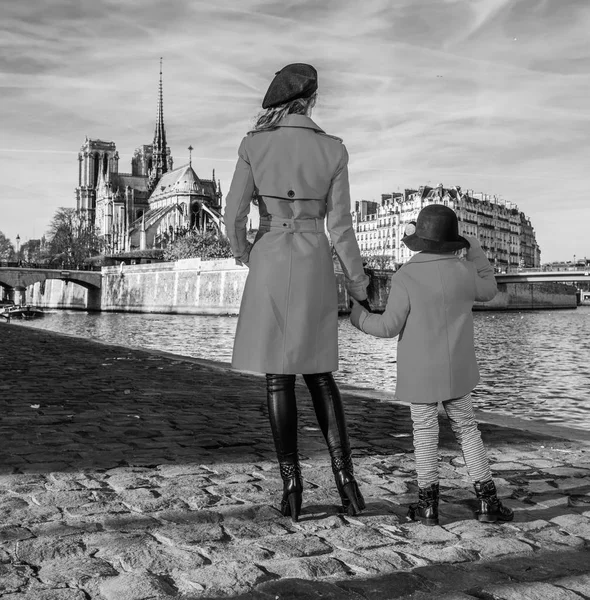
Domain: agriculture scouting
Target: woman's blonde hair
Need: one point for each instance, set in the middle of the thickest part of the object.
(269, 118)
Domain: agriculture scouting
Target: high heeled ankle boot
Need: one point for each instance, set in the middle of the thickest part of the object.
(282, 413)
(491, 508)
(426, 510)
(329, 411)
(350, 495)
(292, 490)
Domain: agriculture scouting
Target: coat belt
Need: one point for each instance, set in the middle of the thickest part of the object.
(293, 225)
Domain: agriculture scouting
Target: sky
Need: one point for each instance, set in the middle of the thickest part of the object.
(491, 95)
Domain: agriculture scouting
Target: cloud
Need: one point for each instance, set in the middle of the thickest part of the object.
(486, 94)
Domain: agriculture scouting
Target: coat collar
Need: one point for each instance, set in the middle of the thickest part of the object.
(301, 121)
(423, 257)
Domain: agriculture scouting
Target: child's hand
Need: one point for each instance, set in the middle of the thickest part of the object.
(473, 242)
(363, 303)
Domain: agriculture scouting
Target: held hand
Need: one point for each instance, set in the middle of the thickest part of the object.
(364, 303)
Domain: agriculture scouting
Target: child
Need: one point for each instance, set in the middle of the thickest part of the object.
(429, 307)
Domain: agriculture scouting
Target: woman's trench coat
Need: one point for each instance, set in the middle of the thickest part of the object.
(288, 320)
(429, 306)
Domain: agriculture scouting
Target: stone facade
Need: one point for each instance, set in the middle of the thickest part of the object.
(506, 234)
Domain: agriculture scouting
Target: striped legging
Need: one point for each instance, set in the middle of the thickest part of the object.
(464, 426)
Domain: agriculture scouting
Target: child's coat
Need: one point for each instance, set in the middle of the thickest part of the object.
(429, 306)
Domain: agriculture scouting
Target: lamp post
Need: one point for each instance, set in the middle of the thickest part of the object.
(18, 295)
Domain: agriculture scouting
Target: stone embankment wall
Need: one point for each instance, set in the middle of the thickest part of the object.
(215, 287)
(189, 286)
(510, 296)
(528, 296)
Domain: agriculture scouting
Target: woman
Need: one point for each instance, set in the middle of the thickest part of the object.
(288, 321)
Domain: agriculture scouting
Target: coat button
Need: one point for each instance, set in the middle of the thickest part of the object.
(291, 194)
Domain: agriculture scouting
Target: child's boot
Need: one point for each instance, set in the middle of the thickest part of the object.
(426, 510)
(491, 508)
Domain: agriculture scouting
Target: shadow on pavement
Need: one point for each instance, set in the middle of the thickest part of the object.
(71, 404)
(478, 580)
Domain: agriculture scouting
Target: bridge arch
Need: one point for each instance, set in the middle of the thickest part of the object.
(19, 279)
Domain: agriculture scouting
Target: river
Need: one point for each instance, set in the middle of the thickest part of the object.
(534, 364)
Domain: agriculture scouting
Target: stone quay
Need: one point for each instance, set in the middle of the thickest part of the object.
(135, 475)
(214, 287)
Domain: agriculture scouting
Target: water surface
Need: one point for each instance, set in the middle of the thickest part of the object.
(534, 364)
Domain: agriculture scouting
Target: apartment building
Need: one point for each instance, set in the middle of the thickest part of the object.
(506, 234)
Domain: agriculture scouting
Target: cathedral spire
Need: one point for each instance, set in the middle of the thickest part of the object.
(160, 158)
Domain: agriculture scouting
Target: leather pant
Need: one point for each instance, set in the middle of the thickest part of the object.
(327, 403)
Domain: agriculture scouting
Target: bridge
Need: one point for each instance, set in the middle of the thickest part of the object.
(538, 276)
(23, 277)
(18, 279)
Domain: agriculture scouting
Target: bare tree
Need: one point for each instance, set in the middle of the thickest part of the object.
(6, 248)
(71, 239)
(33, 252)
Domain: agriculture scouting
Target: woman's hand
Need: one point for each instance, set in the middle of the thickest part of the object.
(244, 260)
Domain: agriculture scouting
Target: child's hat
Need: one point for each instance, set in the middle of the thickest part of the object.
(436, 230)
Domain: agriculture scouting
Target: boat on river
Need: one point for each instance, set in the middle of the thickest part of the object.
(17, 311)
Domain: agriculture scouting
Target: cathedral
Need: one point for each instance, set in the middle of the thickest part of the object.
(150, 206)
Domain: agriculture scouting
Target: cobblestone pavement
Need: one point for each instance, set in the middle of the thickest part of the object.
(132, 475)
